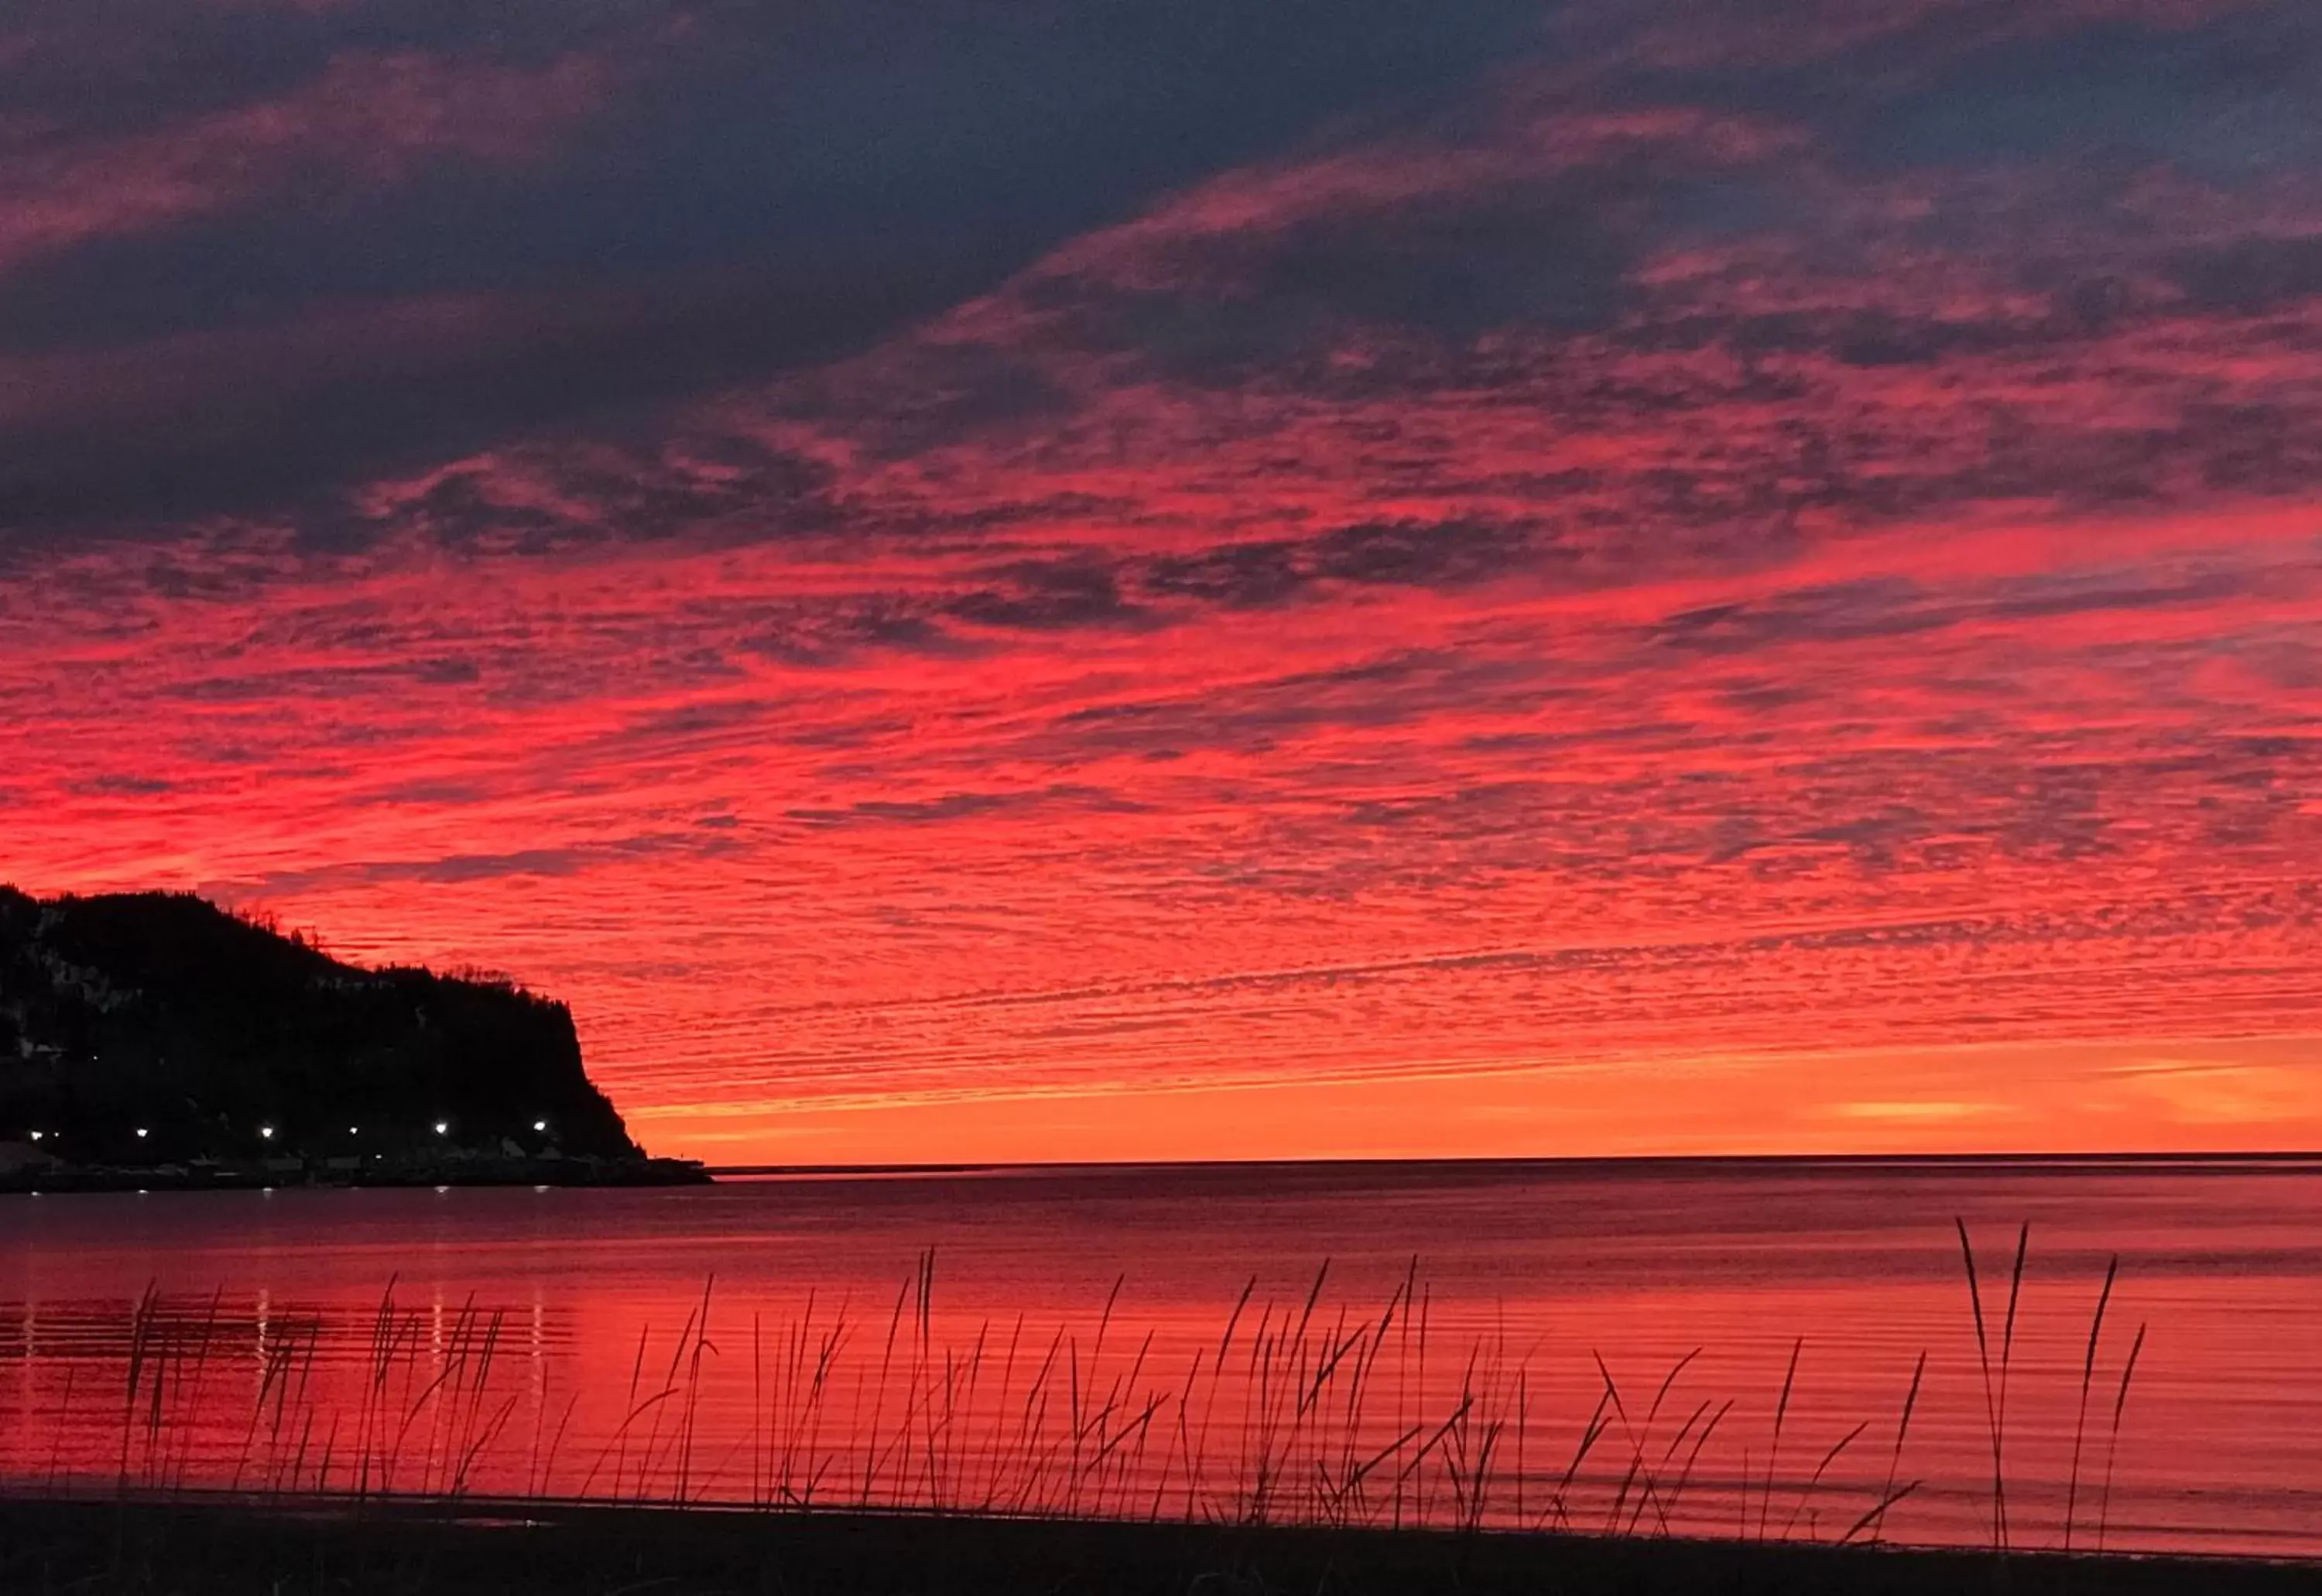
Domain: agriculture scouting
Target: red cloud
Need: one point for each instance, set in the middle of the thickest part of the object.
(1592, 593)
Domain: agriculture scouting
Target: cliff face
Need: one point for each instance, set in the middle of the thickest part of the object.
(162, 1011)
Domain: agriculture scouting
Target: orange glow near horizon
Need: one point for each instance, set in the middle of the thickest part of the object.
(2089, 1098)
(1604, 622)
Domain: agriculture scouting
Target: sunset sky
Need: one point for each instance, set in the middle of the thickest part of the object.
(1088, 578)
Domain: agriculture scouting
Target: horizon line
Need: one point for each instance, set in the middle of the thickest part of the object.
(2277, 1157)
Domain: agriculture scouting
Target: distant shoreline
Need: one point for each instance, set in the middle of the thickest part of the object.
(68, 1179)
(585, 1172)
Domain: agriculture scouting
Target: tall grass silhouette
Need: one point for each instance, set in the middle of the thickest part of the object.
(1302, 1410)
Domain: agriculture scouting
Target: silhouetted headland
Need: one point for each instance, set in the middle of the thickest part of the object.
(154, 1041)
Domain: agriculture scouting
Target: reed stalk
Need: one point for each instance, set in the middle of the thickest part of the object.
(1306, 1409)
(2088, 1376)
(2112, 1443)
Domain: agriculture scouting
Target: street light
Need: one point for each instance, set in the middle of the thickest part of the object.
(267, 1131)
(442, 1128)
(140, 1133)
(38, 1135)
(539, 1124)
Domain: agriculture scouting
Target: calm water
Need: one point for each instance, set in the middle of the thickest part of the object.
(1064, 1349)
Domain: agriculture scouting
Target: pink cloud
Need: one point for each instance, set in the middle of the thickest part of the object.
(368, 119)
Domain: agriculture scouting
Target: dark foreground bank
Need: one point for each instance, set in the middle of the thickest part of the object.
(101, 1548)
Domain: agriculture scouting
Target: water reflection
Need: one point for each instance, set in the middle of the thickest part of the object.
(1694, 1350)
